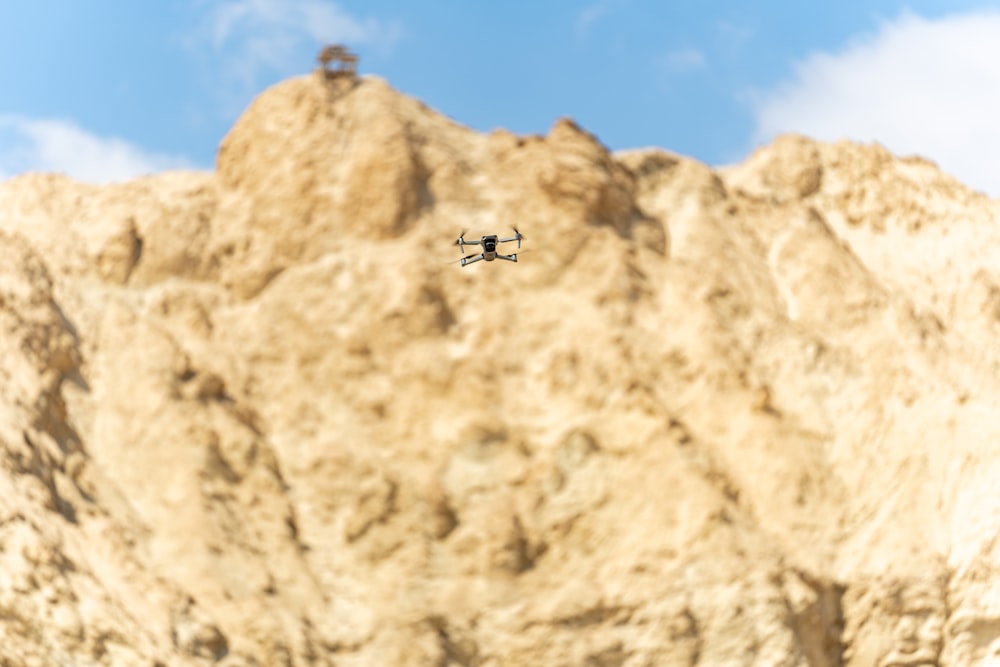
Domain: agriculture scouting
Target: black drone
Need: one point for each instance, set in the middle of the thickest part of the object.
(489, 245)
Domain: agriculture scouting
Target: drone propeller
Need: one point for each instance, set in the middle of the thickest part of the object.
(461, 236)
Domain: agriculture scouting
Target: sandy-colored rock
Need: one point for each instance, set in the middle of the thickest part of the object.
(716, 417)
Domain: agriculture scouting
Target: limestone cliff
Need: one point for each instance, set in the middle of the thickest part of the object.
(258, 417)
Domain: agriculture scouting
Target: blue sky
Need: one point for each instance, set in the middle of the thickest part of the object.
(108, 89)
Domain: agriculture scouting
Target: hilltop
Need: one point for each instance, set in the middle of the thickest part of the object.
(737, 416)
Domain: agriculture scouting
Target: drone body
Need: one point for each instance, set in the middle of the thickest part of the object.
(489, 245)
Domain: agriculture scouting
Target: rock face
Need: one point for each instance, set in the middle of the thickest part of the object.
(734, 417)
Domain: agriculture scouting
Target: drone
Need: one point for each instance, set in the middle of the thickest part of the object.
(489, 245)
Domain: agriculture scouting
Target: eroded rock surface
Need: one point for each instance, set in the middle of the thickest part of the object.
(255, 417)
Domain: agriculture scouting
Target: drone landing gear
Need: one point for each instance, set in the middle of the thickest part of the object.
(470, 260)
(479, 258)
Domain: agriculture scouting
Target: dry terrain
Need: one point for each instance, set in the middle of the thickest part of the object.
(745, 416)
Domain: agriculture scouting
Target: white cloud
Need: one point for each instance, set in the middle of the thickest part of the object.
(32, 144)
(282, 36)
(918, 86)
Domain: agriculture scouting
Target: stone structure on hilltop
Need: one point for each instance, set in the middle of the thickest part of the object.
(336, 62)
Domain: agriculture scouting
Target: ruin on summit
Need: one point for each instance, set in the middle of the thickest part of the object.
(336, 62)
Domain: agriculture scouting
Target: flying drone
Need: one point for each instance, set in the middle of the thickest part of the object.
(489, 245)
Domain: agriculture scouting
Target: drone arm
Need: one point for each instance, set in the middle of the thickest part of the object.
(509, 258)
(461, 243)
(513, 238)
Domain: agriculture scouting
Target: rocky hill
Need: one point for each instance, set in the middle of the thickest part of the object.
(714, 417)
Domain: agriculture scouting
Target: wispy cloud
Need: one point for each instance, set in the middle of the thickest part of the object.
(918, 86)
(731, 35)
(682, 60)
(668, 67)
(33, 144)
(256, 37)
(590, 15)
